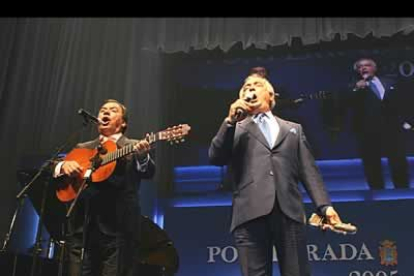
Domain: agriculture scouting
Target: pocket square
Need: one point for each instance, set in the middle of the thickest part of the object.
(293, 130)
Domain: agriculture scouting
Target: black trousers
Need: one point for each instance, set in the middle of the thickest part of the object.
(105, 255)
(101, 255)
(390, 145)
(255, 239)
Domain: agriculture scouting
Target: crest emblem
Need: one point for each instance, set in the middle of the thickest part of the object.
(388, 253)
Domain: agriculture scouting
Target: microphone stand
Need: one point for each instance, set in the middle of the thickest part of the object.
(86, 220)
(87, 177)
(23, 194)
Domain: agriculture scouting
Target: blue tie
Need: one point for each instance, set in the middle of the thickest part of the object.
(374, 88)
(265, 127)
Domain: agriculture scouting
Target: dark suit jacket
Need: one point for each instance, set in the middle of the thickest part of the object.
(372, 116)
(260, 174)
(114, 203)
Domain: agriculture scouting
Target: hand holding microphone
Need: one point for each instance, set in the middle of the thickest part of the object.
(241, 108)
(361, 84)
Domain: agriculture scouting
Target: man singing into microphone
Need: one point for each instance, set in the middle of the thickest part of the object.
(268, 156)
(379, 125)
(114, 218)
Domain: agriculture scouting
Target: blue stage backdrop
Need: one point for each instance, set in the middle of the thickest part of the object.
(197, 218)
(204, 89)
(382, 246)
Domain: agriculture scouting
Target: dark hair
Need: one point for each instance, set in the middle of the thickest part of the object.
(261, 71)
(124, 112)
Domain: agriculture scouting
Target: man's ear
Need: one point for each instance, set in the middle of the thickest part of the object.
(272, 99)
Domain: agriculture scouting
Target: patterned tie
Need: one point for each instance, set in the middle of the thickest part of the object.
(374, 88)
(264, 126)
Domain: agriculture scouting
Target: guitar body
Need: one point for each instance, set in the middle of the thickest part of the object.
(67, 190)
(92, 159)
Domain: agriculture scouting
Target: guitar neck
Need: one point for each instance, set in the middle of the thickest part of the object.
(320, 95)
(128, 149)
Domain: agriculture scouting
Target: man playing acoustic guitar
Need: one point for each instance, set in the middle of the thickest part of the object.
(112, 236)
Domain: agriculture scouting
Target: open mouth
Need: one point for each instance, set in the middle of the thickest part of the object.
(251, 97)
(106, 121)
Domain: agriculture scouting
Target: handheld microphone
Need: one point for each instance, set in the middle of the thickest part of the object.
(89, 117)
(240, 112)
(366, 77)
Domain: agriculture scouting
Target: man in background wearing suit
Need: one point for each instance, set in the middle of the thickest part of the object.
(379, 124)
(268, 156)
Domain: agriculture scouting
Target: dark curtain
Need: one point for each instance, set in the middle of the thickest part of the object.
(49, 68)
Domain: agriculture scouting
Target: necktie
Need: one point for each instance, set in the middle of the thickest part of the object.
(375, 89)
(265, 127)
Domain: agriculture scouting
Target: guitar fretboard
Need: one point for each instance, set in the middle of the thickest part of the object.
(128, 149)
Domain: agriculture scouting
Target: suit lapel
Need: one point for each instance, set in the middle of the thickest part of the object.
(249, 125)
(122, 141)
(388, 88)
(94, 144)
(283, 131)
(384, 85)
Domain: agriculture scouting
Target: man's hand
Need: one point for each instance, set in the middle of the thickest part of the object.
(332, 221)
(142, 147)
(407, 126)
(240, 104)
(71, 168)
(361, 84)
(332, 218)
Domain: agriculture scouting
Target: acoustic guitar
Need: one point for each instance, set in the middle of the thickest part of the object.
(98, 164)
